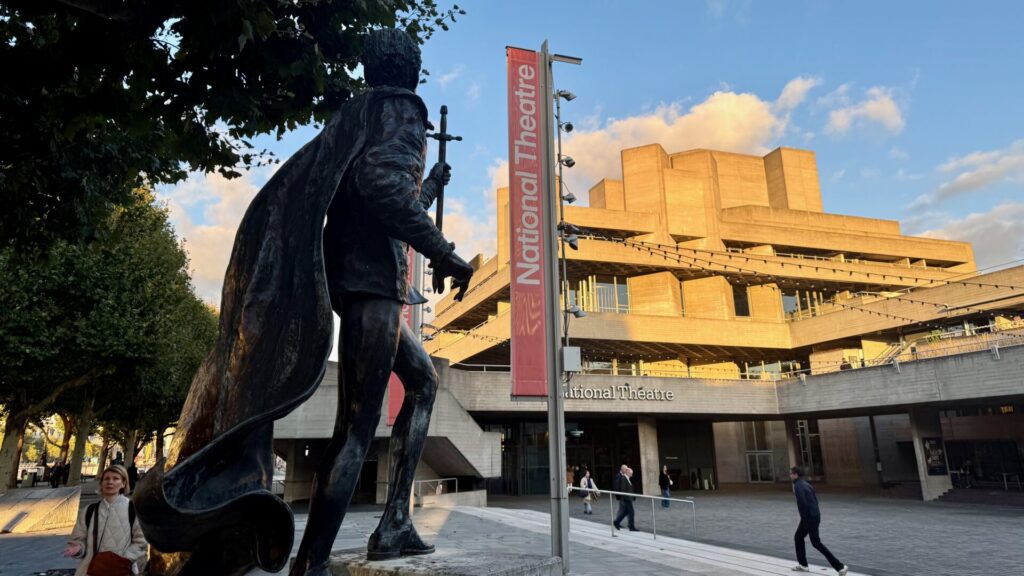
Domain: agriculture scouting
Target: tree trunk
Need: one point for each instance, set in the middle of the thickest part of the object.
(84, 421)
(104, 452)
(129, 447)
(65, 445)
(10, 450)
(159, 447)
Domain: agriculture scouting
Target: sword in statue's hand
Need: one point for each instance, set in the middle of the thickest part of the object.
(452, 265)
(443, 137)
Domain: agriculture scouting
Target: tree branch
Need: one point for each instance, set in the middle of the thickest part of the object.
(56, 392)
(97, 10)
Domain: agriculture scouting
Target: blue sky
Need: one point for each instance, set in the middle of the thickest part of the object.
(913, 108)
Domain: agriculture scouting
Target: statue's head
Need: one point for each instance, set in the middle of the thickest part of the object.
(391, 58)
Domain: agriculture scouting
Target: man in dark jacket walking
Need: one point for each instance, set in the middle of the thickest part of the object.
(623, 483)
(810, 519)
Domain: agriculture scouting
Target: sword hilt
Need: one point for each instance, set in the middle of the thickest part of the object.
(443, 138)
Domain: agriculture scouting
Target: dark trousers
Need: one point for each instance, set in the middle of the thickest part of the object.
(809, 527)
(625, 510)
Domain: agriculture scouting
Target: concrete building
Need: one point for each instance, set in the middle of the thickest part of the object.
(734, 329)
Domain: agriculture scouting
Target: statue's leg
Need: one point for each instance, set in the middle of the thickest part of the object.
(367, 345)
(395, 535)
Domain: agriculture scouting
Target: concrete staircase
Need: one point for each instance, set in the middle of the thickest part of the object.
(456, 445)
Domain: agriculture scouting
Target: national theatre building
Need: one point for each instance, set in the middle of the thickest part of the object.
(732, 329)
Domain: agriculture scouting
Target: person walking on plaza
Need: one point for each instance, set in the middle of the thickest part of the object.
(665, 483)
(624, 484)
(810, 520)
(587, 483)
(107, 537)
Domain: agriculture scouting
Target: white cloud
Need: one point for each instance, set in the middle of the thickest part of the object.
(728, 121)
(448, 77)
(898, 154)
(904, 176)
(976, 171)
(838, 175)
(209, 239)
(997, 235)
(836, 98)
(473, 92)
(878, 106)
(795, 91)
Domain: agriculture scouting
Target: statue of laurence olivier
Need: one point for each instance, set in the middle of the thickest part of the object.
(209, 509)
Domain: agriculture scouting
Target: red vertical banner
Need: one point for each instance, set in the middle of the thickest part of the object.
(526, 143)
(396, 392)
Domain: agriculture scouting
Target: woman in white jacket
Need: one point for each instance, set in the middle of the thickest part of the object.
(109, 526)
(587, 483)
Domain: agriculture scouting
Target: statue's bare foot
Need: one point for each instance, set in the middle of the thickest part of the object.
(403, 541)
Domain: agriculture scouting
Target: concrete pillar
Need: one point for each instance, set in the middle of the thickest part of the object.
(298, 476)
(708, 298)
(656, 294)
(792, 447)
(650, 463)
(765, 302)
(503, 233)
(383, 470)
(926, 427)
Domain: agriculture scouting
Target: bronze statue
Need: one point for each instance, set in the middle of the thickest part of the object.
(209, 509)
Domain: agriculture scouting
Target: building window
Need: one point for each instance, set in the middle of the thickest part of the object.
(739, 296)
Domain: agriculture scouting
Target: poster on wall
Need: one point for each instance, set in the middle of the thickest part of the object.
(935, 456)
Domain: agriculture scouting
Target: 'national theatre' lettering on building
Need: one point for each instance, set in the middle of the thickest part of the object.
(618, 392)
(526, 141)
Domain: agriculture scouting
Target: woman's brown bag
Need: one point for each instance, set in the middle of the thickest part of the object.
(109, 564)
(106, 563)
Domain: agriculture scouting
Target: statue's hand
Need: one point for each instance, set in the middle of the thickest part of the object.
(441, 173)
(457, 269)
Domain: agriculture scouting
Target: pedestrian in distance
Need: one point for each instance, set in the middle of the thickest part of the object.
(624, 484)
(107, 537)
(810, 520)
(590, 493)
(665, 483)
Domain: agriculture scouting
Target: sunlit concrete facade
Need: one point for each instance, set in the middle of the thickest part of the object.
(719, 276)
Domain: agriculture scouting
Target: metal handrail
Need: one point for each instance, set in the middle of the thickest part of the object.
(654, 522)
(417, 483)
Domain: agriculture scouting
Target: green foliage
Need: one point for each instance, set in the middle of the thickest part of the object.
(106, 96)
(98, 319)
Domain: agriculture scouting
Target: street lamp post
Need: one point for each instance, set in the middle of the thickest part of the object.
(556, 402)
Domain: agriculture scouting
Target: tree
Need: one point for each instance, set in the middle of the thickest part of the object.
(149, 400)
(107, 96)
(83, 320)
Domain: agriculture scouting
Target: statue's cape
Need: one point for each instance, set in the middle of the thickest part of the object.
(275, 337)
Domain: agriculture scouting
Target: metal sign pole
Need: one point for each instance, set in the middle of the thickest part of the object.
(556, 408)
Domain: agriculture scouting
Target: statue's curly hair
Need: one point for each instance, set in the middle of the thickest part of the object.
(391, 58)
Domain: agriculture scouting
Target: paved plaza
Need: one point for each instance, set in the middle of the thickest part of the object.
(872, 534)
(738, 533)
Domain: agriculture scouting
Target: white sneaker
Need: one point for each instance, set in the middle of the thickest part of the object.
(844, 570)
(801, 568)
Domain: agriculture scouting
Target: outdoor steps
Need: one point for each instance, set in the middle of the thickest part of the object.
(456, 445)
(671, 552)
(38, 509)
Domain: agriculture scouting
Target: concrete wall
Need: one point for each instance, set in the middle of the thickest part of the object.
(656, 294)
(934, 381)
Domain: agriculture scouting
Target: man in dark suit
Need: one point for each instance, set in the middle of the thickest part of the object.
(623, 483)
